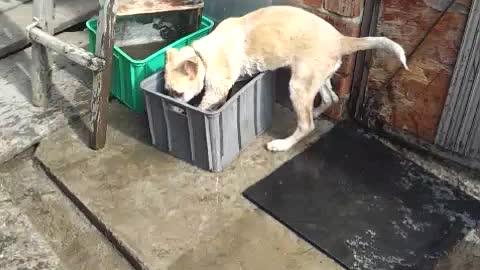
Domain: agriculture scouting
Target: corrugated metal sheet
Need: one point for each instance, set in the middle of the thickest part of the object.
(459, 129)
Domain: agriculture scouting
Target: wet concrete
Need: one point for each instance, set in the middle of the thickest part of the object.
(164, 212)
(167, 214)
(366, 205)
(466, 254)
(22, 124)
(255, 241)
(69, 237)
(465, 179)
(21, 246)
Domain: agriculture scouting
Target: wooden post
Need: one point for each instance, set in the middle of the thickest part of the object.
(43, 13)
(101, 81)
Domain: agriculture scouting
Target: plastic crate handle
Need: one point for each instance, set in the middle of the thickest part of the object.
(175, 107)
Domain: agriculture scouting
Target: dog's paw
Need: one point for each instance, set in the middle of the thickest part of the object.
(278, 145)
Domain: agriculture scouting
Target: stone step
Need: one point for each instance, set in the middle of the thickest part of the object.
(22, 124)
(50, 232)
(21, 246)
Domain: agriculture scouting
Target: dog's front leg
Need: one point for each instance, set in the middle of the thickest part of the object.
(216, 94)
(212, 101)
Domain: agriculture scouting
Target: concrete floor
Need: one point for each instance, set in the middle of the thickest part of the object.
(162, 213)
(21, 247)
(165, 212)
(22, 124)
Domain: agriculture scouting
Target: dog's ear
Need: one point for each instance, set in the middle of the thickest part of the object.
(191, 67)
(171, 55)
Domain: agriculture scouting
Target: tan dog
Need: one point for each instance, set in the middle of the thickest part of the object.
(267, 39)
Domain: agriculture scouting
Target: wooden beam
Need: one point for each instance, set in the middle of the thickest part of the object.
(43, 13)
(72, 52)
(101, 81)
(129, 7)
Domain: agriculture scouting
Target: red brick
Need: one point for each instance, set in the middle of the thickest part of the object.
(313, 3)
(342, 85)
(346, 27)
(348, 65)
(338, 111)
(346, 8)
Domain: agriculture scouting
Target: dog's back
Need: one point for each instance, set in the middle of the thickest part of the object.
(273, 37)
(267, 39)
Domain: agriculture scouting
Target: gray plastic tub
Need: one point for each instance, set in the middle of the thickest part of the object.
(209, 140)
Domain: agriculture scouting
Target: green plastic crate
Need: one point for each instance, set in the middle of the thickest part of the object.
(128, 73)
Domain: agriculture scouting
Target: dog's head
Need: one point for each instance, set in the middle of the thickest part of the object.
(184, 74)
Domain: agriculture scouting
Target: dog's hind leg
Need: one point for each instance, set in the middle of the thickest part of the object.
(328, 98)
(304, 86)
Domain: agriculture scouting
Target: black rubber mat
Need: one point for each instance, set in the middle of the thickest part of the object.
(364, 205)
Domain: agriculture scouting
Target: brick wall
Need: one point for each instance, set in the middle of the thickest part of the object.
(346, 17)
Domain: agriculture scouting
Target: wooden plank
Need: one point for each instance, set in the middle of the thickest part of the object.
(406, 24)
(101, 81)
(413, 100)
(70, 51)
(43, 13)
(13, 35)
(129, 7)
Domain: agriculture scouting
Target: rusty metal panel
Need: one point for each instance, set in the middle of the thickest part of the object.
(459, 128)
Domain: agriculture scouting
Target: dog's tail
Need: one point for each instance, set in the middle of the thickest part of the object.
(350, 45)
